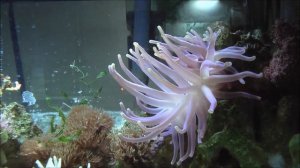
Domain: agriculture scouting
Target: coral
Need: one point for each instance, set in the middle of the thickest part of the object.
(15, 126)
(37, 147)
(283, 67)
(253, 40)
(52, 162)
(126, 154)
(28, 98)
(5, 124)
(84, 139)
(224, 36)
(92, 143)
(7, 85)
(188, 85)
(257, 42)
(18, 122)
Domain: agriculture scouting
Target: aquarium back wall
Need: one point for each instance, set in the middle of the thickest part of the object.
(54, 35)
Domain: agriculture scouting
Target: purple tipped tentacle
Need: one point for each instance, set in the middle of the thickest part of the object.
(148, 109)
(181, 147)
(234, 71)
(231, 95)
(216, 79)
(234, 49)
(127, 72)
(147, 137)
(190, 113)
(196, 49)
(189, 76)
(165, 69)
(146, 121)
(177, 50)
(221, 55)
(124, 83)
(208, 67)
(175, 143)
(168, 119)
(210, 97)
(192, 135)
(164, 82)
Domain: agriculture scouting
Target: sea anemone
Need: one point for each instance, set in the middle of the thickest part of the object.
(188, 80)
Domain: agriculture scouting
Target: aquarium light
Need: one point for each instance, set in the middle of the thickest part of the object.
(204, 5)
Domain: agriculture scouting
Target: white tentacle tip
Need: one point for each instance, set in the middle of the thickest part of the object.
(242, 81)
(200, 141)
(152, 41)
(210, 111)
(191, 154)
(139, 123)
(111, 67)
(159, 28)
(135, 44)
(228, 64)
(179, 162)
(181, 131)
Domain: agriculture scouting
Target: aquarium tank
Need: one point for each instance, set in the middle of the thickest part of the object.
(150, 83)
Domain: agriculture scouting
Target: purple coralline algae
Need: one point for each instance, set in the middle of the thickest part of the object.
(284, 66)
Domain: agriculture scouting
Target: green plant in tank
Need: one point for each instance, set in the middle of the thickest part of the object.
(247, 153)
(58, 130)
(77, 69)
(101, 74)
(84, 75)
(68, 138)
(294, 148)
(59, 110)
(231, 142)
(87, 90)
(52, 125)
